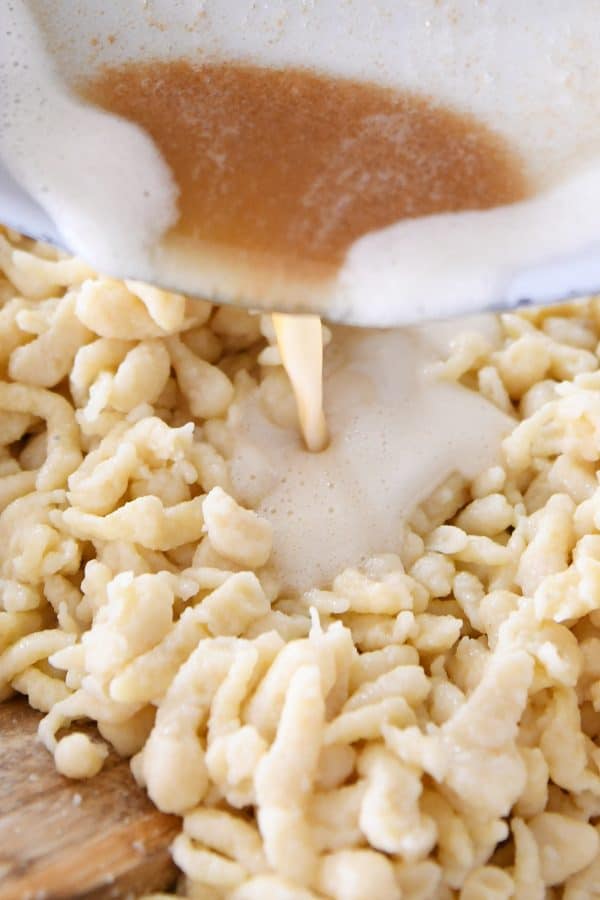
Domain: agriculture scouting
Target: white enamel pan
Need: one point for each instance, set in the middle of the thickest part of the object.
(527, 70)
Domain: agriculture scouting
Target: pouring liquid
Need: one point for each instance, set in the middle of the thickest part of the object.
(301, 347)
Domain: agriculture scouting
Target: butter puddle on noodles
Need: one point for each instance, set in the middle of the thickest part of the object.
(396, 432)
(300, 342)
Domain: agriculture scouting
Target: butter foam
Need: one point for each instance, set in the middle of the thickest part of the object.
(396, 432)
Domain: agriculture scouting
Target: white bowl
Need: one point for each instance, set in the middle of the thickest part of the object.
(528, 71)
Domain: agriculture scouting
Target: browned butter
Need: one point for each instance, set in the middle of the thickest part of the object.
(294, 166)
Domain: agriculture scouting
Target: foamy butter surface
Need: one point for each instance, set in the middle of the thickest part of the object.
(99, 177)
(396, 432)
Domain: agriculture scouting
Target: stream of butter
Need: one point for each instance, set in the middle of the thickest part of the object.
(300, 343)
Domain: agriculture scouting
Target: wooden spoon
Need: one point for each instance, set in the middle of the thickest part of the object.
(64, 839)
